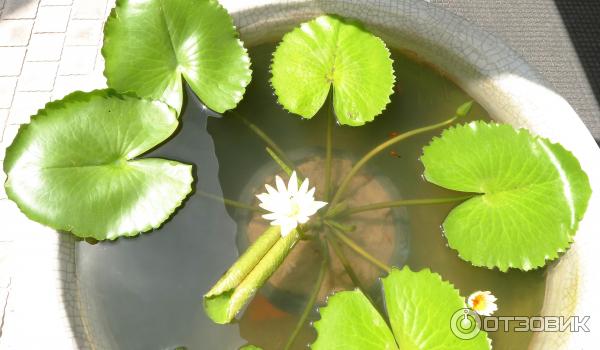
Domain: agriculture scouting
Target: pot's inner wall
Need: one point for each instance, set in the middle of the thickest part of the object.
(146, 292)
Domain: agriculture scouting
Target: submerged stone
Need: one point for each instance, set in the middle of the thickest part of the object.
(383, 233)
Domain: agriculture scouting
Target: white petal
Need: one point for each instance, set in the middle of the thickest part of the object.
(271, 216)
(280, 185)
(267, 202)
(303, 186)
(307, 211)
(271, 204)
(489, 309)
(318, 204)
(313, 207)
(289, 205)
(263, 197)
(303, 219)
(485, 303)
(278, 222)
(271, 190)
(287, 227)
(293, 184)
(266, 199)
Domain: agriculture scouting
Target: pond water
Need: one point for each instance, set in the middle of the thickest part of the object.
(146, 292)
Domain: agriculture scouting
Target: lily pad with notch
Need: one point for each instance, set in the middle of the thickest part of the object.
(149, 45)
(74, 167)
(532, 193)
(419, 306)
(333, 53)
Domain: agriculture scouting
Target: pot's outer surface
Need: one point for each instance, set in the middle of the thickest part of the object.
(510, 89)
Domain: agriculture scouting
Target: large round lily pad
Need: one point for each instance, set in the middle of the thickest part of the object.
(532, 194)
(74, 167)
(333, 53)
(149, 45)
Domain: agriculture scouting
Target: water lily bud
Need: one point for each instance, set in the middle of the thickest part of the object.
(239, 284)
(464, 109)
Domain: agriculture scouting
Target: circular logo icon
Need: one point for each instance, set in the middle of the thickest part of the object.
(465, 324)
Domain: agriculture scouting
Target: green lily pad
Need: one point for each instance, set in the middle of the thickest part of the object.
(150, 44)
(349, 321)
(533, 194)
(420, 307)
(73, 168)
(331, 52)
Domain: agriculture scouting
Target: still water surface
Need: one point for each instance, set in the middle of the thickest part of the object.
(146, 292)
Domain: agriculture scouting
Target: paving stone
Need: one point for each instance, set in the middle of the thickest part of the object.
(63, 40)
(5, 291)
(7, 90)
(77, 60)
(10, 131)
(66, 84)
(84, 32)
(20, 9)
(86, 9)
(12, 60)
(37, 76)
(45, 47)
(6, 251)
(99, 65)
(2, 196)
(15, 32)
(3, 119)
(52, 19)
(56, 2)
(26, 104)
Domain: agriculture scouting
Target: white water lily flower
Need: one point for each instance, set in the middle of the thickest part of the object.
(289, 206)
(483, 303)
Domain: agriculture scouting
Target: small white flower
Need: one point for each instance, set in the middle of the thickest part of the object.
(483, 303)
(289, 206)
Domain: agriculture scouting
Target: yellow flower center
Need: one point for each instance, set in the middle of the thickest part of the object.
(479, 302)
(295, 209)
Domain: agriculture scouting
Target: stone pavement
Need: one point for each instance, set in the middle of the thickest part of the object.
(48, 48)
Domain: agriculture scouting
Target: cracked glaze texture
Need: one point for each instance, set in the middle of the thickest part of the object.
(481, 64)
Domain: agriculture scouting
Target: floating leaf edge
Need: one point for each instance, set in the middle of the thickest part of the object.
(79, 96)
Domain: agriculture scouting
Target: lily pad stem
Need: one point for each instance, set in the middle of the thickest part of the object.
(359, 250)
(310, 303)
(232, 203)
(266, 138)
(375, 151)
(402, 203)
(346, 264)
(279, 162)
